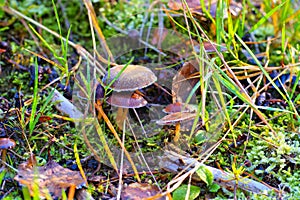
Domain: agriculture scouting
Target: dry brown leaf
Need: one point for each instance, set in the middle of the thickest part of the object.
(195, 6)
(176, 4)
(210, 47)
(138, 191)
(159, 35)
(50, 179)
(184, 81)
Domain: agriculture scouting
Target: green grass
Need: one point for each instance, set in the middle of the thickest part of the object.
(273, 144)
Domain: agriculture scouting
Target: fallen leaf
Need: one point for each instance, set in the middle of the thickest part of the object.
(137, 191)
(44, 118)
(159, 35)
(195, 6)
(50, 179)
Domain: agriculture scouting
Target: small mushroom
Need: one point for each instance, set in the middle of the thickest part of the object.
(134, 77)
(179, 107)
(126, 100)
(175, 119)
(185, 81)
(6, 143)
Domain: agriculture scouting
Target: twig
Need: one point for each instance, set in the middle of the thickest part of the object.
(171, 160)
(65, 106)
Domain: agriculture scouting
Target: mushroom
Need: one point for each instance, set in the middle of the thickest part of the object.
(176, 118)
(132, 78)
(125, 100)
(179, 107)
(124, 80)
(6, 143)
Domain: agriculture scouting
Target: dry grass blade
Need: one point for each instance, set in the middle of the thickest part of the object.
(235, 79)
(111, 127)
(83, 52)
(91, 13)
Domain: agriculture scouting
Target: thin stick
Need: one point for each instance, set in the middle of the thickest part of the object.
(141, 154)
(140, 122)
(121, 165)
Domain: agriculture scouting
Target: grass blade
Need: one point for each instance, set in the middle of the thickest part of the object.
(266, 17)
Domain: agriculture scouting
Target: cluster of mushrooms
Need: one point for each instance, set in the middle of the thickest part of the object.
(131, 79)
(125, 81)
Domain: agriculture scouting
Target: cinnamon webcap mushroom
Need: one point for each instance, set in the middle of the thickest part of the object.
(177, 117)
(7, 143)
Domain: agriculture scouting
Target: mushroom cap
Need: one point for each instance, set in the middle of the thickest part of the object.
(99, 94)
(126, 100)
(134, 77)
(7, 143)
(184, 82)
(179, 107)
(176, 117)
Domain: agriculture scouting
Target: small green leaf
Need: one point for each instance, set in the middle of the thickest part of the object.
(200, 137)
(214, 187)
(205, 175)
(2, 175)
(181, 192)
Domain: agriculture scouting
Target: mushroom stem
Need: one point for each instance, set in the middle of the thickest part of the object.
(99, 103)
(177, 132)
(121, 117)
(4, 151)
(71, 192)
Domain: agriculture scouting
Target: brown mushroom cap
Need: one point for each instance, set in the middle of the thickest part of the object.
(176, 117)
(126, 100)
(179, 107)
(134, 77)
(99, 94)
(7, 143)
